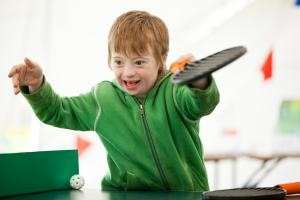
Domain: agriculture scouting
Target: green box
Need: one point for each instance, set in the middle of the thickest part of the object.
(30, 172)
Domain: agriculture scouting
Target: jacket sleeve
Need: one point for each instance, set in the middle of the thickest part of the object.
(195, 103)
(76, 113)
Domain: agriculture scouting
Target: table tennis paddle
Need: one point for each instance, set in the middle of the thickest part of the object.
(277, 192)
(186, 72)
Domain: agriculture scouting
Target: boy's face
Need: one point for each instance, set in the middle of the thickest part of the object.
(135, 74)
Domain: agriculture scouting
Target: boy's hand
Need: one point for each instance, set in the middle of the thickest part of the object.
(28, 74)
(179, 64)
(188, 58)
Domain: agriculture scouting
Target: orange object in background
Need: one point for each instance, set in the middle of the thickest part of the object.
(267, 67)
(82, 144)
(291, 188)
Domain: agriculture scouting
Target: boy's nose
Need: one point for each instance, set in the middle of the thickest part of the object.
(129, 71)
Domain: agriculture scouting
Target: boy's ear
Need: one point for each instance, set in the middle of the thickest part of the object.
(164, 62)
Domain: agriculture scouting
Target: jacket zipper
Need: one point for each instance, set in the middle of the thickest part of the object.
(152, 147)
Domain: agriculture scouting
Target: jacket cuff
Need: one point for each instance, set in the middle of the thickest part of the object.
(43, 92)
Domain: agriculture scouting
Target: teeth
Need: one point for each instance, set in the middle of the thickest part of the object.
(131, 82)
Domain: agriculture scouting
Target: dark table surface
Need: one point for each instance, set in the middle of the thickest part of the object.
(93, 194)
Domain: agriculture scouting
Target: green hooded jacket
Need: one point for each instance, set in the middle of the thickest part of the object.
(152, 144)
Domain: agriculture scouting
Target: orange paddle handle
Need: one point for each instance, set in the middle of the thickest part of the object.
(291, 188)
(179, 65)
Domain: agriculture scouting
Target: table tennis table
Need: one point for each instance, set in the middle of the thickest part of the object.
(268, 163)
(94, 194)
(18, 182)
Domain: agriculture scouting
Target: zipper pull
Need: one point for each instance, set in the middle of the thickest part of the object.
(142, 109)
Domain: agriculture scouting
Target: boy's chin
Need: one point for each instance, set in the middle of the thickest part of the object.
(135, 93)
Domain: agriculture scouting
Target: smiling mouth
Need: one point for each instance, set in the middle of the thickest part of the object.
(131, 85)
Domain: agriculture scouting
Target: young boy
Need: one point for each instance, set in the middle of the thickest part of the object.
(148, 125)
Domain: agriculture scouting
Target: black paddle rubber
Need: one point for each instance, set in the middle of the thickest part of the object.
(267, 193)
(204, 67)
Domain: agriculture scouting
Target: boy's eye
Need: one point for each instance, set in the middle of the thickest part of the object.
(118, 62)
(139, 62)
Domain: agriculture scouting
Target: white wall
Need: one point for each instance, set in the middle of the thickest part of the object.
(68, 38)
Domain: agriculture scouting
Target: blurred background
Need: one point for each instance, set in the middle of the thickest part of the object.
(259, 110)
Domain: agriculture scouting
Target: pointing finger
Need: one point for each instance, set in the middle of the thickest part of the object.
(29, 63)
